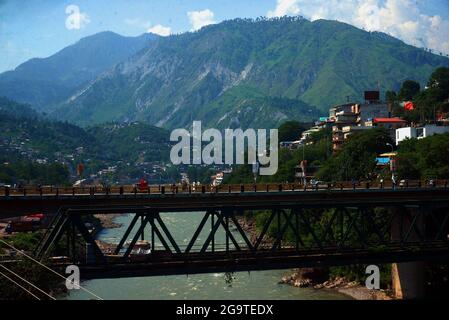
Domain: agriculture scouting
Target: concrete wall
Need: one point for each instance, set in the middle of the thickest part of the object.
(373, 110)
(432, 129)
(405, 133)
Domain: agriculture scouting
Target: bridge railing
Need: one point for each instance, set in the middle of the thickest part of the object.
(203, 189)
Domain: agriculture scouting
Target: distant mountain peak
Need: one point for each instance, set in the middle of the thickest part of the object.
(46, 82)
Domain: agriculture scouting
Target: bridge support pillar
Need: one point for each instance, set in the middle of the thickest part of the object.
(408, 278)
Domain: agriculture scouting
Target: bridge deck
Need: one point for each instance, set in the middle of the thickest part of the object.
(18, 202)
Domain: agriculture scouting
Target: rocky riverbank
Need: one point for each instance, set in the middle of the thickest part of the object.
(107, 221)
(249, 226)
(318, 278)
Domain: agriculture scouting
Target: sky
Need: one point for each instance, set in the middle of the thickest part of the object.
(40, 28)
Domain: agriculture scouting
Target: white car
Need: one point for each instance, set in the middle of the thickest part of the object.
(315, 183)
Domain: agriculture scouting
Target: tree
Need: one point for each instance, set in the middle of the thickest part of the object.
(428, 103)
(424, 158)
(391, 96)
(291, 131)
(434, 98)
(439, 84)
(409, 90)
(357, 159)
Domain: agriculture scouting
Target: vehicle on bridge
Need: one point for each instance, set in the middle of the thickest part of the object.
(141, 247)
(316, 183)
(142, 184)
(141, 252)
(28, 223)
(25, 225)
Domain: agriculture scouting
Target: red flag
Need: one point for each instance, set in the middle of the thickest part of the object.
(408, 105)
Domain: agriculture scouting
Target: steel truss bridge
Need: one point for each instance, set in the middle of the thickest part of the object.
(298, 226)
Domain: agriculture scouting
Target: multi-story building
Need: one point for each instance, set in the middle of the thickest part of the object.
(348, 130)
(352, 117)
(342, 116)
(217, 179)
(324, 123)
(370, 111)
(304, 172)
(419, 132)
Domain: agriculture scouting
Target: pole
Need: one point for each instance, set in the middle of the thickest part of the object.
(212, 227)
(303, 151)
(143, 233)
(392, 148)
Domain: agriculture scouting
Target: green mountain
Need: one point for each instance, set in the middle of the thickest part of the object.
(238, 72)
(131, 142)
(49, 81)
(9, 108)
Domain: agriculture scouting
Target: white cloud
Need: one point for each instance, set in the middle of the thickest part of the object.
(75, 18)
(146, 24)
(199, 19)
(160, 30)
(403, 19)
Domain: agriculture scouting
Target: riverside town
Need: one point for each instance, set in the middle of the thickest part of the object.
(212, 153)
(215, 158)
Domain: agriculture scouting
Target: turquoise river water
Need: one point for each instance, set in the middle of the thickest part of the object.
(260, 285)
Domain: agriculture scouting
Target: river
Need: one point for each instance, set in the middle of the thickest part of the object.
(245, 285)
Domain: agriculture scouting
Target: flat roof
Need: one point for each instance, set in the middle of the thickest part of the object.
(389, 120)
(389, 154)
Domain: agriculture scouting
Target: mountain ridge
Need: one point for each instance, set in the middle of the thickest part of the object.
(183, 77)
(43, 82)
(246, 73)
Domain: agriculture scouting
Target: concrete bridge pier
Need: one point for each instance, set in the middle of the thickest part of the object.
(408, 278)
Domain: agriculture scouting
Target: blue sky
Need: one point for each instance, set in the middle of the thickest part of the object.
(38, 28)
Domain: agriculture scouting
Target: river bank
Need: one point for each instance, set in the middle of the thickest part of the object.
(307, 278)
(107, 221)
(318, 278)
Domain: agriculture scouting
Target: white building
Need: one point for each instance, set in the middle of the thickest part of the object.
(419, 132)
(217, 179)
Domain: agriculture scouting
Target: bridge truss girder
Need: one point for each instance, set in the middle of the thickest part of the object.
(295, 229)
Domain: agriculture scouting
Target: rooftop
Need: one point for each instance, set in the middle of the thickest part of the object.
(389, 120)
